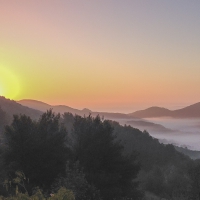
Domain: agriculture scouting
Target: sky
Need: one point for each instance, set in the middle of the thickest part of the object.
(105, 55)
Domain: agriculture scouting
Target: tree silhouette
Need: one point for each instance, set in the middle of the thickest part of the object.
(2, 120)
(102, 158)
(36, 148)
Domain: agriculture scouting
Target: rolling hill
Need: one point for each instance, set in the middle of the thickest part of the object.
(188, 112)
(24, 107)
(150, 126)
(152, 112)
(12, 107)
(38, 105)
(119, 117)
(192, 111)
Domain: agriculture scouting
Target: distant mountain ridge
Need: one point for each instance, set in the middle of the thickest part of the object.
(135, 119)
(120, 117)
(151, 112)
(38, 105)
(192, 111)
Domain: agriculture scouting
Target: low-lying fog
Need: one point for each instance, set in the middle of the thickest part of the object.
(186, 132)
(181, 132)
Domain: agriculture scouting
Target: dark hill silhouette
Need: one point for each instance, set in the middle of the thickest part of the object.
(38, 105)
(152, 112)
(150, 126)
(192, 111)
(119, 117)
(191, 153)
(12, 107)
(188, 112)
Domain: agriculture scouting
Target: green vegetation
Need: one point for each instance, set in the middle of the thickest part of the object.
(62, 194)
(89, 158)
(36, 148)
(89, 161)
(102, 159)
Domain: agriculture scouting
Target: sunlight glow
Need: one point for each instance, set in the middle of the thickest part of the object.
(1, 91)
(9, 84)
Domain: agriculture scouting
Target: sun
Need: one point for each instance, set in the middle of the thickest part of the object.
(9, 83)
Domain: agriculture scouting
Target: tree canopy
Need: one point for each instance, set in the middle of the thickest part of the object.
(36, 148)
(102, 159)
(94, 164)
(2, 120)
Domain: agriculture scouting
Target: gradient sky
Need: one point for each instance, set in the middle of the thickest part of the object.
(106, 55)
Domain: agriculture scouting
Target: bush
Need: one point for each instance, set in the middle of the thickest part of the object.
(62, 194)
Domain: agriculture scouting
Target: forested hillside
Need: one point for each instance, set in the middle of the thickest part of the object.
(12, 107)
(90, 162)
(163, 170)
(93, 158)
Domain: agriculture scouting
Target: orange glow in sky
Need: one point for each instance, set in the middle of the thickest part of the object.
(104, 55)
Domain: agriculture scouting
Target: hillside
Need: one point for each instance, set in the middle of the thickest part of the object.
(119, 117)
(161, 165)
(151, 151)
(150, 126)
(158, 162)
(152, 112)
(12, 107)
(38, 105)
(188, 112)
(192, 111)
(192, 154)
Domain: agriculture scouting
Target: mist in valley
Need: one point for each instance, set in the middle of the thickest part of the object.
(179, 132)
(183, 132)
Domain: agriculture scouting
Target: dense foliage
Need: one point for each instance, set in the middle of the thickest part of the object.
(94, 159)
(101, 158)
(92, 164)
(2, 120)
(164, 171)
(62, 193)
(36, 148)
